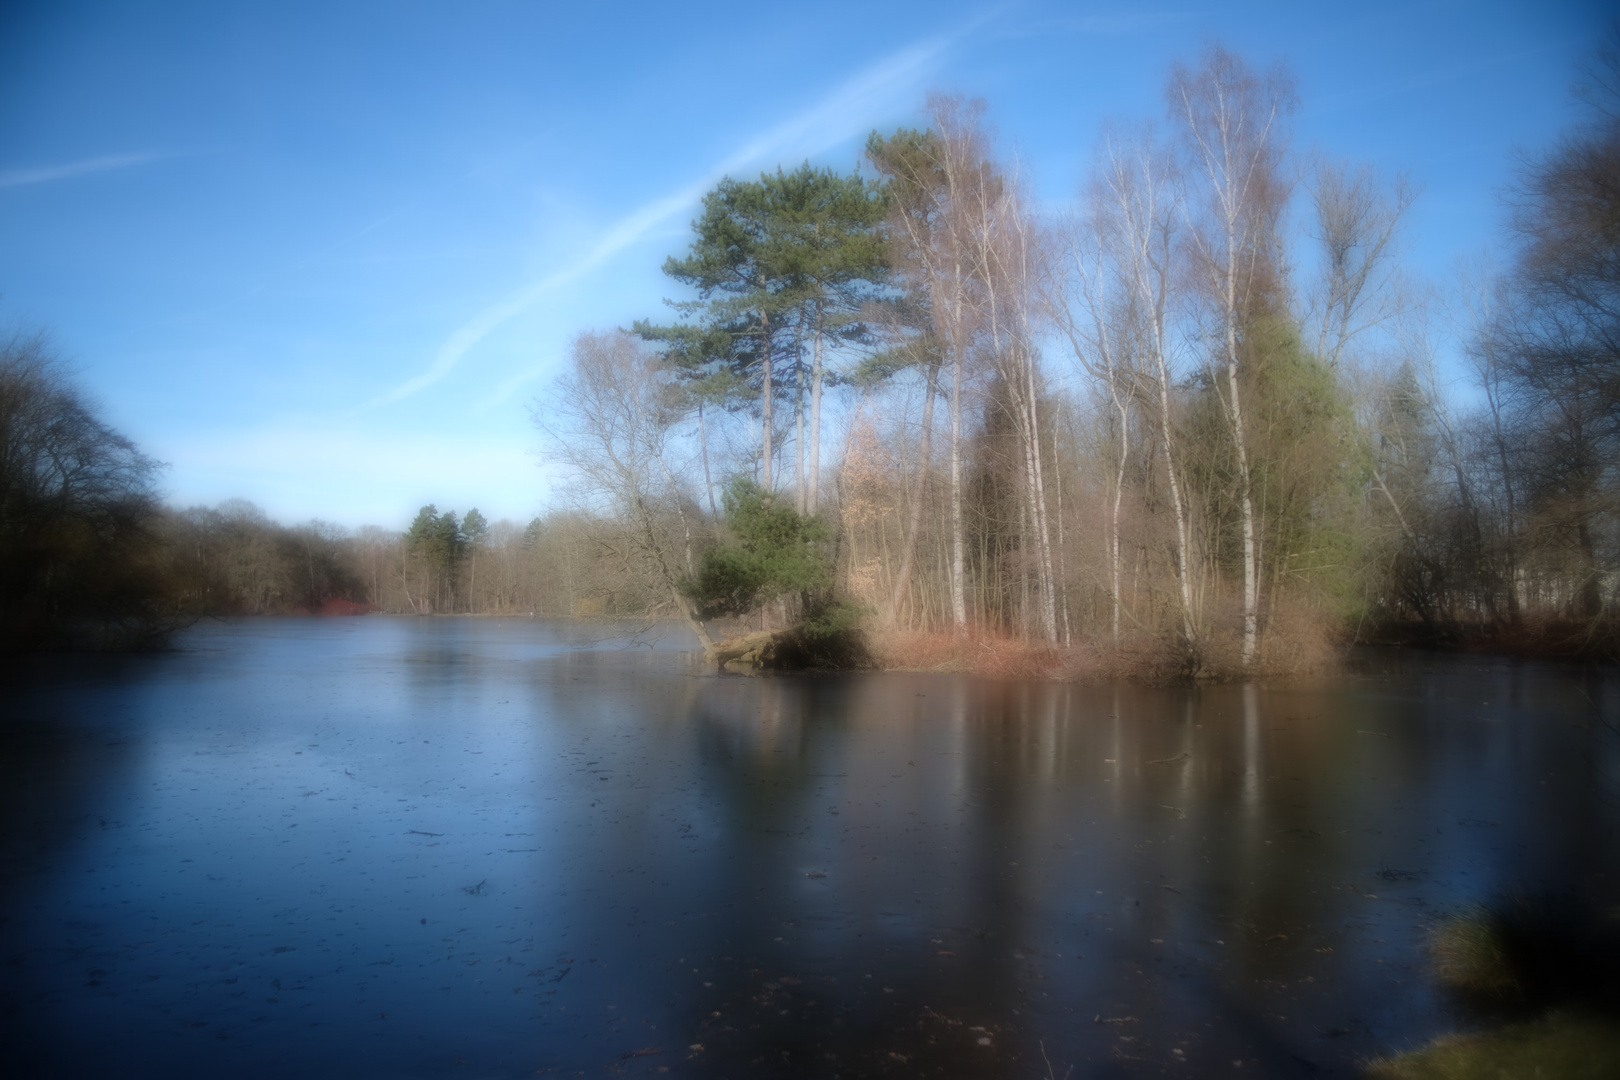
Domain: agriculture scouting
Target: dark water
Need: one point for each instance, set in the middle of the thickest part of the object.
(384, 847)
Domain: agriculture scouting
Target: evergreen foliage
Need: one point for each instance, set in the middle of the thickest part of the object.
(774, 550)
(775, 263)
(437, 538)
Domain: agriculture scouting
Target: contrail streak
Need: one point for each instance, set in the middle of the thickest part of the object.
(826, 124)
(19, 177)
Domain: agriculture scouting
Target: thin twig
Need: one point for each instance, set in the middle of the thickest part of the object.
(1049, 1071)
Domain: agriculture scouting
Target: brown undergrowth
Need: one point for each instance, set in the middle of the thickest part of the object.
(1294, 644)
(1002, 656)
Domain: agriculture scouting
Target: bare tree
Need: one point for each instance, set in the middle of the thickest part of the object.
(1121, 268)
(961, 168)
(77, 513)
(1009, 264)
(935, 175)
(927, 359)
(610, 424)
(1356, 226)
(1084, 308)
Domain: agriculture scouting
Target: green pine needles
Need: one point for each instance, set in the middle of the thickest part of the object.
(774, 551)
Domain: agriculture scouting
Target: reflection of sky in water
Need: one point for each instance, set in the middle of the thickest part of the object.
(389, 845)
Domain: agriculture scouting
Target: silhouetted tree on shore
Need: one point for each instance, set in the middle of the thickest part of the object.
(80, 559)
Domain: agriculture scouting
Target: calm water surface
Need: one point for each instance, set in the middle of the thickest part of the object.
(481, 848)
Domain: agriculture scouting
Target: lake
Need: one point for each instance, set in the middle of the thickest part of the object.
(463, 847)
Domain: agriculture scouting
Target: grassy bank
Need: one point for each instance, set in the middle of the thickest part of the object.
(1559, 1046)
(1540, 975)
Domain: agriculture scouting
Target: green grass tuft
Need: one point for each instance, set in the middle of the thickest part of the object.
(1560, 1046)
(1471, 958)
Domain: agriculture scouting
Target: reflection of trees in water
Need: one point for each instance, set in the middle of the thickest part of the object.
(60, 771)
(834, 882)
(1006, 823)
(56, 764)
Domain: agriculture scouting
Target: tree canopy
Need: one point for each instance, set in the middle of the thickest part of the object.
(79, 554)
(773, 550)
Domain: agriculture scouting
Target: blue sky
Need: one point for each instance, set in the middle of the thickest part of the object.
(323, 256)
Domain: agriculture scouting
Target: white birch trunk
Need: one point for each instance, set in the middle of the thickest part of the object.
(1119, 495)
(765, 411)
(815, 419)
(1251, 571)
(703, 445)
(1043, 532)
(958, 592)
(1063, 578)
(798, 439)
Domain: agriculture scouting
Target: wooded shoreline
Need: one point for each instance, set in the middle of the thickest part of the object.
(1002, 657)
(1195, 424)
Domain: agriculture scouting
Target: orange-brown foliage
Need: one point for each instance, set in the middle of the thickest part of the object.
(997, 655)
(1295, 639)
(1295, 643)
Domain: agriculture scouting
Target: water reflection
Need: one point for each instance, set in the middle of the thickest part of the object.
(421, 847)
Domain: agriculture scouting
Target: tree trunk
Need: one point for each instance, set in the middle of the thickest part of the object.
(1023, 568)
(656, 550)
(1043, 534)
(703, 445)
(958, 597)
(1119, 494)
(1063, 578)
(909, 551)
(1251, 571)
(680, 510)
(1183, 544)
(798, 440)
(815, 420)
(765, 346)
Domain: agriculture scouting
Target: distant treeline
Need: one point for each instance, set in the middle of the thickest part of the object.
(91, 558)
(233, 560)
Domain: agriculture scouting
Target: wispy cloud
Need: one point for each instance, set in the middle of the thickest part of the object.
(843, 113)
(46, 173)
(510, 386)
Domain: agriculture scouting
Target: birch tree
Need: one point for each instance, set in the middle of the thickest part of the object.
(1231, 122)
(1123, 265)
(1008, 264)
(933, 226)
